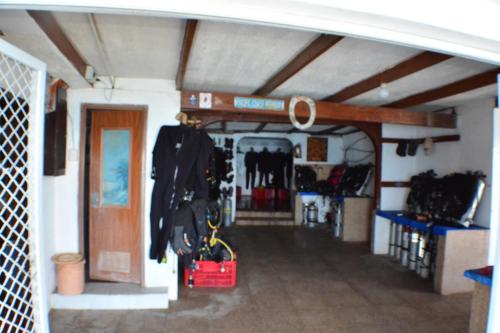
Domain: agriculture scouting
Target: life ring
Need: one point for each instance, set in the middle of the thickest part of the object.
(312, 111)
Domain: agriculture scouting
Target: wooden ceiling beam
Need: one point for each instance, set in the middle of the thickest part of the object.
(260, 127)
(330, 130)
(187, 44)
(454, 88)
(349, 132)
(305, 57)
(414, 64)
(47, 22)
(326, 112)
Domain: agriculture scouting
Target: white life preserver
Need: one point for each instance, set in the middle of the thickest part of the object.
(312, 111)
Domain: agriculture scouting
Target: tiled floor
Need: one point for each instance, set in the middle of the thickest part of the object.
(294, 280)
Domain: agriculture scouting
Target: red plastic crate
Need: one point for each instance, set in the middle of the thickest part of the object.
(258, 193)
(269, 193)
(211, 274)
(282, 194)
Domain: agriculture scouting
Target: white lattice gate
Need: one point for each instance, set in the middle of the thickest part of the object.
(22, 294)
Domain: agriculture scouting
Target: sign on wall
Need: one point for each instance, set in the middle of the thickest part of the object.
(317, 149)
(259, 103)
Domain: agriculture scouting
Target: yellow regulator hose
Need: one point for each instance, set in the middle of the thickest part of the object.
(214, 240)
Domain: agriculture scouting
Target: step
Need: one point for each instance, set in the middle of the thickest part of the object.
(112, 296)
(262, 221)
(259, 214)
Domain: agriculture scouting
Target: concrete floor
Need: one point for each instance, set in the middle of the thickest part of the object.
(294, 280)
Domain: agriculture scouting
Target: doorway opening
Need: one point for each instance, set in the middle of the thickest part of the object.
(264, 174)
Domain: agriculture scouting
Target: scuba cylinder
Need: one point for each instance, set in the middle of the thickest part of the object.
(312, 215)
(337, 222)
(420, 252)
(405, 244)
(227, 206)
(412, 255)
(304, 213)
(426, 262)
(399, 234)
(392, 239)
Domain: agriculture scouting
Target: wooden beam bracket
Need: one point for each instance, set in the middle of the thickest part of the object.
(47, 22)
(414, 64)
(187, 44)
(435, 139)
(395, 184)
(326, 112)
(305, 57)
(454, 88)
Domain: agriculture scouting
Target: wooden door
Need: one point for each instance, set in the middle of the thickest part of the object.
(115, 178)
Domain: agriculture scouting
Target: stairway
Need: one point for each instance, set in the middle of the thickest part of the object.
(270, 218)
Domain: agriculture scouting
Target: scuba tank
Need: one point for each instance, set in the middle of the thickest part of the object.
(338, 220)
(420, 252)
(392, 239)
(399, 239)
(304, 213)
(425, 264)
(412, 255)
(227, 206)
(312, 215)
(405, 244)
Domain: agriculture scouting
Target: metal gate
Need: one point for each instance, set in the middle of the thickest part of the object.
(23, 301)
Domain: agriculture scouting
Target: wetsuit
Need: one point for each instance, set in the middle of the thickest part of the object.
(179, 151)
(263, 160)
(279, 160)
(251, 167)
(289, 170)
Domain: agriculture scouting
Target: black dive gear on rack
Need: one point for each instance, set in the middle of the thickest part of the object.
(180, 160)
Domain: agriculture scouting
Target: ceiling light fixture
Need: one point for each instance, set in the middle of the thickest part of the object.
(383, 92)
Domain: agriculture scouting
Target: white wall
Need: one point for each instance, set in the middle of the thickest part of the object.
(163, 103)
(360, 144)
(473, 152)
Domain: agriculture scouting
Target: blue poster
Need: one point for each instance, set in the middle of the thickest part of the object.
(115, 161)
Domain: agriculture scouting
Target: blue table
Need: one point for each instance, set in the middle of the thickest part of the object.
(399, 218)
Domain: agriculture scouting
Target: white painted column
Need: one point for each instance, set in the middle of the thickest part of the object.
(494, 315)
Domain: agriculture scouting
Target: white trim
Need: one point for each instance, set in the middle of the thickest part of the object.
(494, 310)
(35, 174)
(36, 217)
(462, 28)
(158, 300)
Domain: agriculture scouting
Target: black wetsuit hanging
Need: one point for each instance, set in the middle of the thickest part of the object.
(179, 151)
(278, 167)
(289, 170)
(263, 165)
(251, 167)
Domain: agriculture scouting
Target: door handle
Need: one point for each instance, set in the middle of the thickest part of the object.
(94, 200)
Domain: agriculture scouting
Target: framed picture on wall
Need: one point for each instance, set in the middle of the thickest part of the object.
(317, 149)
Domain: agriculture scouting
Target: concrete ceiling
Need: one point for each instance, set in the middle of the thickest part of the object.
(232, 57)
